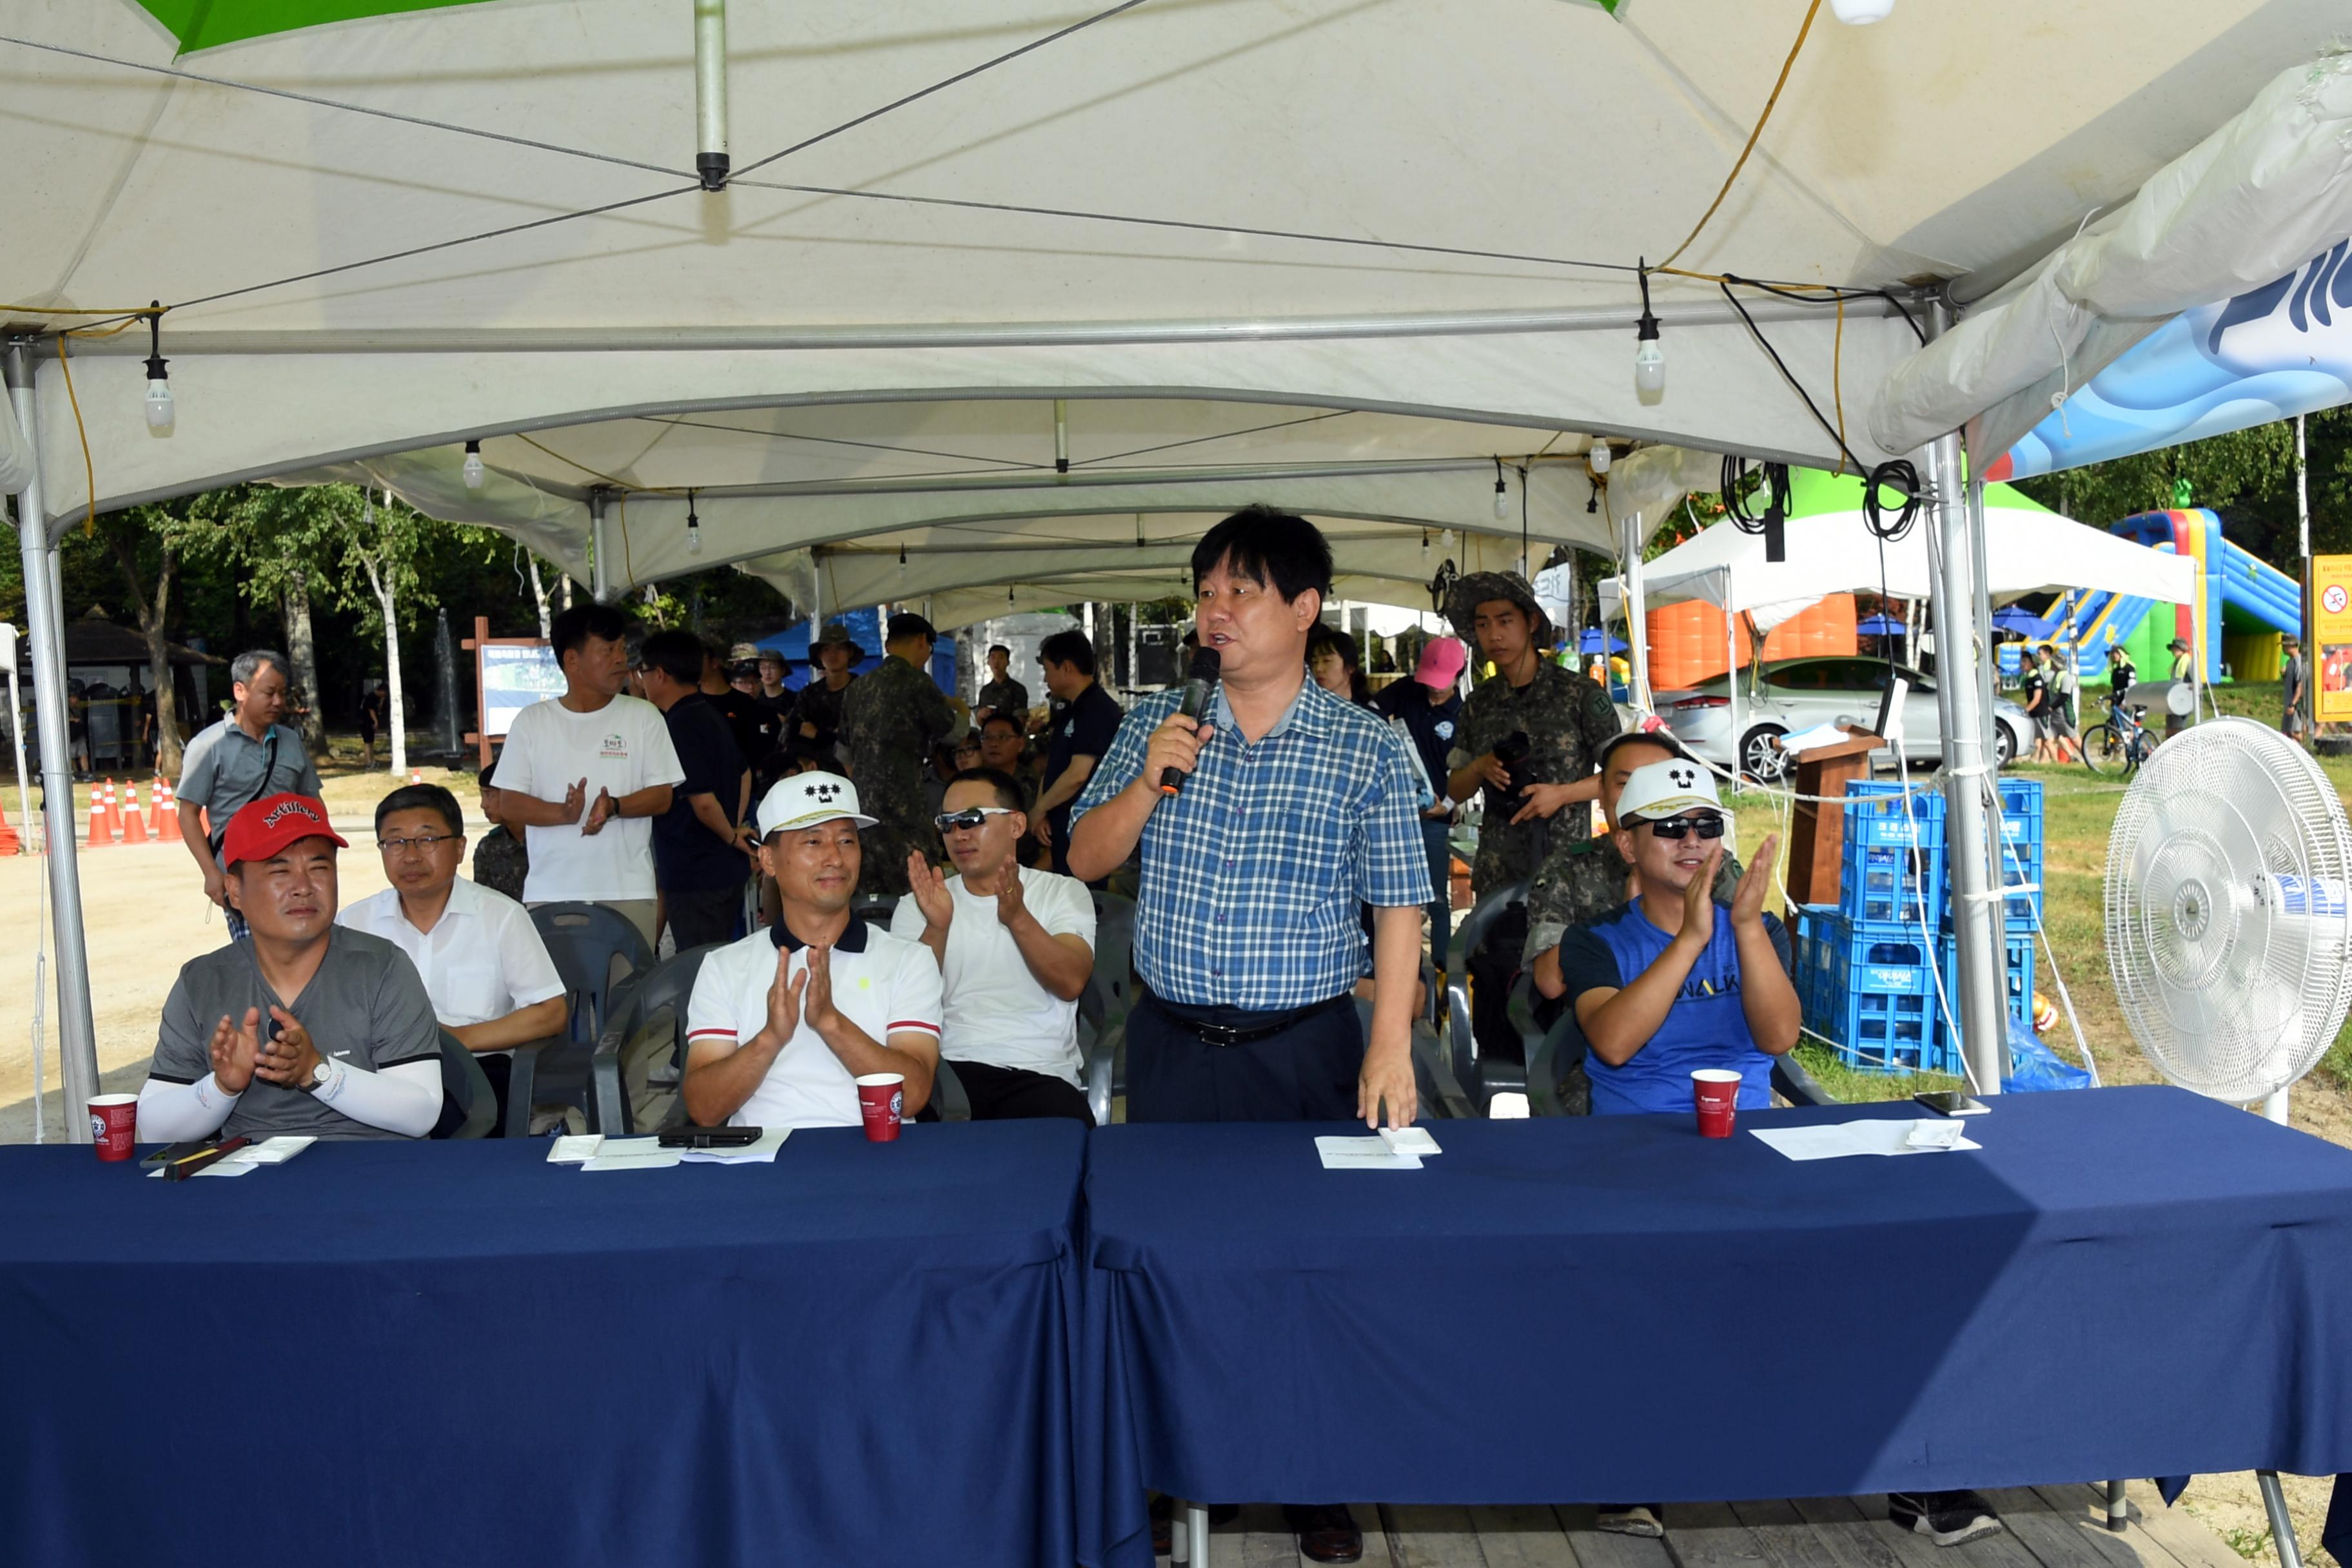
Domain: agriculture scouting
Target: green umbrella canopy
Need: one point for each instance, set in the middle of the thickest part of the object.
(208, 24)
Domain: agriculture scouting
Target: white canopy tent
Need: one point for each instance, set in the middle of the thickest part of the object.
(2027, 551)
(1411, 230)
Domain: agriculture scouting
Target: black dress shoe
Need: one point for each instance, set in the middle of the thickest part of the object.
(1326, 1532)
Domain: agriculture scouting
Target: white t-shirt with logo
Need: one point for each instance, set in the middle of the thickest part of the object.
(997, 1012)
(883, 983)
(623, 747)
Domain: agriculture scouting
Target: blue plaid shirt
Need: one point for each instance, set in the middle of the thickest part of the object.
(1253, 875)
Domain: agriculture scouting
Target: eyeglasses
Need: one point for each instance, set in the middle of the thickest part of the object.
(971, 817)
(1674, 829)
(427, 843)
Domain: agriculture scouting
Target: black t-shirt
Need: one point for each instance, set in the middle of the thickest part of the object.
(1085, 729)
(689, 857)
(2033, 689)
(1431, 724)
(751, 720)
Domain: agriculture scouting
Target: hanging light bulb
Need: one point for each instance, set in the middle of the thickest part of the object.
(1861, 13)
(1424, 544)
(1445, 539)
(693, 527)
(902, 558)
(160, 412)
(473, 465)
(1648, 354)
(1502, 496)
(1599, 457)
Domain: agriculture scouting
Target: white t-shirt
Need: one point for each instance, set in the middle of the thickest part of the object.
(997, 1012)
(482, 959)
(623, 747)
(884, 984)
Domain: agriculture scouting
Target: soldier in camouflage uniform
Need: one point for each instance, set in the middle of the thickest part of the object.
(500, 860)
(1585, 880)
(816, 712)
(1566, 717)
(891, 719)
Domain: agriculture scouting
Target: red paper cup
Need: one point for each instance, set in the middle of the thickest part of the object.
(1716, 1093)
(114, 1125)
(882, 1099)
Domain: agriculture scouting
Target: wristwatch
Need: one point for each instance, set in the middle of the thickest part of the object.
(317, 1079)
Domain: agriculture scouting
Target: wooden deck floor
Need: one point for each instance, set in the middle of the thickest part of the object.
(2049, 1527)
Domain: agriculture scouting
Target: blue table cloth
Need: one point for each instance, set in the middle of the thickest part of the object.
(454, 1353)
(2123, 1282)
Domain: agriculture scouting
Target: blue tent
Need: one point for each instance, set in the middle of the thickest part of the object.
(2009, 618)
(1880, 627)
(1591, 642)
(866, 630)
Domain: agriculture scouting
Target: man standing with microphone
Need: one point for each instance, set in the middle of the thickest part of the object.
(1266, 824)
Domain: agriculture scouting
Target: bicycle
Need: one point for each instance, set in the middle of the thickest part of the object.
(2120, 745)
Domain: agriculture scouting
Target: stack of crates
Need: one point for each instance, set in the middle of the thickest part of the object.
(2021, 872)
(1866, 969)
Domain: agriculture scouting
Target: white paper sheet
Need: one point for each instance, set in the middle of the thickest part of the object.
(1410, 1141)
(1837, 1139)
(654, 1159)
(253, 1156)
(1363, 1154)
(762, 1153)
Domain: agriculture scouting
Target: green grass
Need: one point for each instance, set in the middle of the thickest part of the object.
(2079, 812)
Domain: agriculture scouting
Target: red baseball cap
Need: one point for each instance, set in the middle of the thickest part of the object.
(268, 825)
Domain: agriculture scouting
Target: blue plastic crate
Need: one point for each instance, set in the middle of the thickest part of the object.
(1877, 814)
(2021, 811)
(1879, 1010)
(1808, 950)
(2021, 869)
(2017, 979)
(1887, 884)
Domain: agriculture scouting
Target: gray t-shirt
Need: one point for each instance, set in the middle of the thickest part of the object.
(222, 770)
(366, 1009)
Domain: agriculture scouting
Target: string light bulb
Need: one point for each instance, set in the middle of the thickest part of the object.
(161, 413)
(1649, 353)
(1502, 496)
(473, 465)
(1861, 13)
(1598, 459)
(1445, 539)
(693, 528)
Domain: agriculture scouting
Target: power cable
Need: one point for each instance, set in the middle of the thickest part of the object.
(1782, 81)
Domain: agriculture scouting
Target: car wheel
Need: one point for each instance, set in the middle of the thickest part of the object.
(1760, 756)
(2004, 744)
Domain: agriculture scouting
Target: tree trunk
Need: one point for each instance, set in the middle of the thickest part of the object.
(395, 708)
(302, 693)
(152, 616)
(539, 592)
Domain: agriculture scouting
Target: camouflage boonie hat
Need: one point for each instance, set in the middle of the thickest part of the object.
(1482, 587)
(838, 634)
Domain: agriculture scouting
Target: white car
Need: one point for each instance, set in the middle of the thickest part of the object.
(1798, 693)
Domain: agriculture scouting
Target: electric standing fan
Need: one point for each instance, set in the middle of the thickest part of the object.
(2227, 925)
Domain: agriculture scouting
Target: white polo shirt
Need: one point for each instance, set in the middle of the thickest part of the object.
(884, 984)
(997, 1012)
(482, 959)
(623, 747)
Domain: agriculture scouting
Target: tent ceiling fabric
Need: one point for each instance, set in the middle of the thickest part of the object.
(1545, 133)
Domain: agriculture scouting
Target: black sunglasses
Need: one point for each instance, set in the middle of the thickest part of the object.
(971, 817)
(1674, 829)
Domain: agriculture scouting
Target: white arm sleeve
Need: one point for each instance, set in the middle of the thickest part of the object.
(405, 1099)
(171, 1112)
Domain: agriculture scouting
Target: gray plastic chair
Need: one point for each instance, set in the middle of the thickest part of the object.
(1479, 1080)
(1101, 1045)
(642, 1001)
(469, 1107)
(949, 1102)
(1563, 1045)
(595, 951)
(1441, 1097)
(1115, 955)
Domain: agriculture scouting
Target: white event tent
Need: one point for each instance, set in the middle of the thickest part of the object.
(1035, 292)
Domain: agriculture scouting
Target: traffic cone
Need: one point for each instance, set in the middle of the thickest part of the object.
(113, 814)
(134, 826)
(9, 845)
(167, 814)
(416, 775)
(100, 836)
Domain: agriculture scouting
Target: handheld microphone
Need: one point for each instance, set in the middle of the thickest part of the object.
(1201, 674)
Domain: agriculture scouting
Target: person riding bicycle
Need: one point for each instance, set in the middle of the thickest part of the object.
(2121, 672)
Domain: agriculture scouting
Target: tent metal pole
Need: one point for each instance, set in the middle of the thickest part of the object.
(77, 1031)
(600, 565)
(1637, 620)
(711, 162)
(1960, 653)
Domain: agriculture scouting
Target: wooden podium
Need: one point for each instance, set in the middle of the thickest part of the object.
(1816, 828)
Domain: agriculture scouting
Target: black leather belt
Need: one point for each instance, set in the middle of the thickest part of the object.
(1237, 1025)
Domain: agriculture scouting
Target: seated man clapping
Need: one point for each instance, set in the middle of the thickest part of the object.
(1673, 982)
(483, 963)
(1016, 947)
(784, 1022)
(308, 1027)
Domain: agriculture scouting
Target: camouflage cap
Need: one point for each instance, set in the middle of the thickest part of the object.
(1483, 587)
